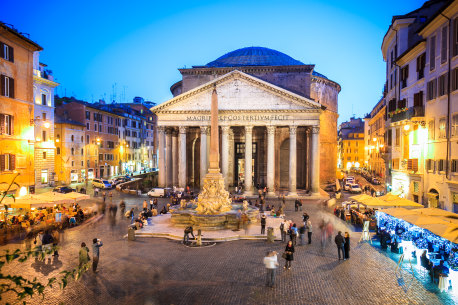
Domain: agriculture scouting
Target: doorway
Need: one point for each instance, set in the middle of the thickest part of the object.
(239, 177)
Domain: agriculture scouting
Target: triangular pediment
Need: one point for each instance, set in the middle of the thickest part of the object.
(238, 91)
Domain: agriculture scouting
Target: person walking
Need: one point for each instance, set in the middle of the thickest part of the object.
(271, 263)
(305, 217)
(289, 255)
(283, 230)
(309, 231)
(151, 203)
(347, 245)
(96, 244)
(302, 230)
(122, 206)
(296, 205)
(340, 242)
(263, 224)
(145, 205)
(293, 234)
(83, 255)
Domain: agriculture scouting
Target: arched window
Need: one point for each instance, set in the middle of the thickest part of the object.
(46, 97)
(82, 151)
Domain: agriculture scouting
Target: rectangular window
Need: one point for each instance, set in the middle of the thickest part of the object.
(442, 86)
(416, 187)
(404, 76)
(432, 53)
(418, 99)
(415, 135)
(6, 124)
(7, 162)
(431, 130)
(88, 115)
(397, 137)
(444, 45)
(442, 123)
(454, 125)
(44, 155)
(100, 157)
(429, 164)
(441, 165)
(6, 52)
(412, 165)
(455, 37)
(95, 127)
(43, 134)
(395, 163)
(454, 166)
(402, 104)
(44, 176)
(43, 99)
(87, 139)
(454, 79)
(421, 62)
(7, 86)
(392, 105)
(389, 137)
(431, 89)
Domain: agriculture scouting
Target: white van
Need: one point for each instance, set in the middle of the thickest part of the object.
(102, 184)
(159, 192)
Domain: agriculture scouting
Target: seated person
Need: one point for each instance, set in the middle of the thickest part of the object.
(272, 212)
(425, 263)
(164, 210)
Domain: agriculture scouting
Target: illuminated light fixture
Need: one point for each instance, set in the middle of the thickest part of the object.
(57, 140)
(381, 145)
(22, 191)
(37, 139)
(47, 125)
(374, 139)
(406, 127)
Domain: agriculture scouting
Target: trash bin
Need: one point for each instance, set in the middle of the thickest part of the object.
(131, 234)
(270, 235)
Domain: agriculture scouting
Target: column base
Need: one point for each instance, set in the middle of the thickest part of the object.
(271, 194)
(248, 193)
(292, 194)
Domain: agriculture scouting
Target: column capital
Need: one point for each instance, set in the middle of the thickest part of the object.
(292, 129)
(249, 129)
(225, 129)
(209, 130)
(271, 129)
(316, 129)
(183, 129)
(168, 130)
(203, 129)
(160, 129)
(174, 132)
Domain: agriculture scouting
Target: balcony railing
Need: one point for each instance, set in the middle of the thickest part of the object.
(412, 112)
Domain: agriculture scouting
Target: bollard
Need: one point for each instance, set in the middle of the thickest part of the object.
(131, 234)
(270, 235)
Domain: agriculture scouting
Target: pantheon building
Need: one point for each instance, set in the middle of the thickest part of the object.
(277, 118)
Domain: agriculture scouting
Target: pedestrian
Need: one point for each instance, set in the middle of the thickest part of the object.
(347, 245)
(283, 230)
(151, 202)
(302, 230)
(305, 217)
(263, 224)
(96, 244)
(340, 242)
(293, 233)
(122, 206)
(47, 241)
(271, 263)
(145, 205)
(289, 255)
(131, 215)
(245, 221)
(187, 231)
(104, 195)
(56, 239)
(296, 205)
(83, 255)
(309, 231)
(110, 194)
(96, 192)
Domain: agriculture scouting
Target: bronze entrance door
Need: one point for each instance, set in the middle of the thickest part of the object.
(239, 177)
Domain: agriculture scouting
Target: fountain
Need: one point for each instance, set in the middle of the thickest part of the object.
(214, 209)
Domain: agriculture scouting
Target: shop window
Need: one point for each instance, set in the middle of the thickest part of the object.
(44, 176)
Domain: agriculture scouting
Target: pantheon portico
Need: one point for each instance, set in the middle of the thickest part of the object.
(267, 132)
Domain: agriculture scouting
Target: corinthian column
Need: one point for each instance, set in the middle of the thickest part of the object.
(168, 157)
(203, 153)
(175, 157)
(161, 155)
(182, 153)
(315, 162)
(248, 160)
(271, 159)
(292, 161)
(225, 153)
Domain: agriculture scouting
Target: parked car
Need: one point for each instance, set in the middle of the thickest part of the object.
(355, 188)
(63, 189)
(347, 186)
(376, 181)
(330, 188)
(102, 184)
(118, 180)
(159, 192)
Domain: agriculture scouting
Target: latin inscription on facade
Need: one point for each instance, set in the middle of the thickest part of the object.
(240, 117)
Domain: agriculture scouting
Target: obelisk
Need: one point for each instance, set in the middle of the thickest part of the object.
(214, 135)
(213, 198)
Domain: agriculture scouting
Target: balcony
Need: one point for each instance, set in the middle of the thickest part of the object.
(412, 112)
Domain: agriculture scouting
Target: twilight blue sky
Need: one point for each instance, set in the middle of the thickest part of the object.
(99, 47)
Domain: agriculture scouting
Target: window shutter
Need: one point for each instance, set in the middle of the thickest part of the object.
(2, 163)
(444, 45)
(11, 87)
(12, 162)
(2, 54)
(455, 37)
(11, 54)
(12, 124)
(2, 124)
(2, 84)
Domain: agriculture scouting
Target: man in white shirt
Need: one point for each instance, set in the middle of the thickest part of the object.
(271, 263)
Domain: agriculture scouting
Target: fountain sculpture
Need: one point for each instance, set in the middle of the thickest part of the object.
(214, 208)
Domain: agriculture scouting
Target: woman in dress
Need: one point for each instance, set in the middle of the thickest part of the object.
(289, 255)
(347, 245)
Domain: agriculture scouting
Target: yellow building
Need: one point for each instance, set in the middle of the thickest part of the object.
(70, 153)
(16, 107)
(351, 144)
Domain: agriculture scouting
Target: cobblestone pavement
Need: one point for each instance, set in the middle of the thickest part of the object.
(160, 271)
